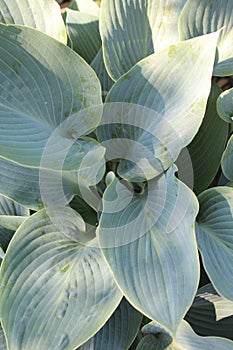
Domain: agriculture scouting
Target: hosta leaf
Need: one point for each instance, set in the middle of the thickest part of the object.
(91, 168)
(148, 342)
(11, 216)
(227, 160)
(88, 6)
(132, 30)
(44, 15)
(88, 214)
(148, 241)
(223, 181)
(211, 314)
(83, 33)
(200, 17)
(155, 337)
(211, 135)
(22, 184)
(225, 105)
(185, 339)
(44, 82)
(215, 237)
(50, 113)
(11, 208)
(3, 345)
(99, 67)
(35, 188)
(11, 222)
(119, 332)
(158, 111)
(56, 289)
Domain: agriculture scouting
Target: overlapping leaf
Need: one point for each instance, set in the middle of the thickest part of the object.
(211, 314)
(215, 237)
(90, 165)
(44, 15)
(87, 6)
(83, 33)
(185, 339)
(51, 97)
(100, 69)
(211, 135)
(132, 30)
(148, 342)
(34, 188)
(200, 17)
(11, 208)
(227, 160)
(153, 111)
(119, 332)
(148, 241)
(22, 184)
(88, 214)
(225, 105)
(56, 289)
(40, 89)
(11, 216)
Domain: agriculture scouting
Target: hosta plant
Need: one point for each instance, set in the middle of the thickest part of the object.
(116, 198)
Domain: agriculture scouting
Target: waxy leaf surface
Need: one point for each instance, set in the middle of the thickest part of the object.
(148, 241)
(215, 237)
(83, 33)
(119, 331)
(211, 314)
(185, 339)
(132, 30)
(56, 289)
(153, 111)
(200, 17)
(45, 15)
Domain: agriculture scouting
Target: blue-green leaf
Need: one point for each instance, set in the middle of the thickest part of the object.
(44, 15)
(118, 332)
(211, 314)
(132, 30)
(52, 98)
(148, 241)
(83, 33)
(22, 184)
(225, 105)
(153, 111)
(56, 289)
(88, 214)
(212, 134)
(44, 82)
(200, 17)
(11, 216)
(227, 160)
(215, 237)
(99, 67)
(36, 188)
(185, 339)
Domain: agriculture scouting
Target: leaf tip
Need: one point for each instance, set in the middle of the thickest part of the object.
(110, 178)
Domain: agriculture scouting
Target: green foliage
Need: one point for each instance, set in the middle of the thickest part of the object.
(116, 197)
